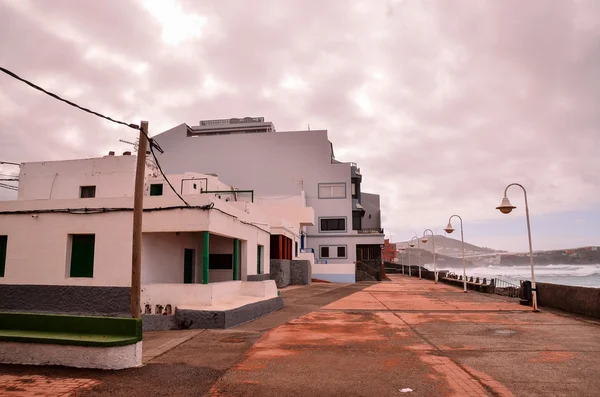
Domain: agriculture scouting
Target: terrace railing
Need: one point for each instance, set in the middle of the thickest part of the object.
(505, 288)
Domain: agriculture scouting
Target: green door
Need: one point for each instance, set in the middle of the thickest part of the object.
(188, 266)
(258, 258)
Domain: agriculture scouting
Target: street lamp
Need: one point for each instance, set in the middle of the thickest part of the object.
(418, 252)
(506, 207)
(449, 229)
(424, 240)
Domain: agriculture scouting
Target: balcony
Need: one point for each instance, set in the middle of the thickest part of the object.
(370, 231)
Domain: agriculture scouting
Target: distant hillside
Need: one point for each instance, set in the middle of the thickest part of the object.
(427, 258)
(451, 247)
(573, 256)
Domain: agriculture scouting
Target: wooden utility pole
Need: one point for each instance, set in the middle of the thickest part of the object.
(138, 208)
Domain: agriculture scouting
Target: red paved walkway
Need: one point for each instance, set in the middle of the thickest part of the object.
(431, 338)
(42, 386)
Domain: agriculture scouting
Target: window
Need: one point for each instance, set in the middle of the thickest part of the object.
(3, 244)
(353, 189)
(332, 190)
(333, 251)
(82, 255)
(87, 191)
(156, 189)
(333, 224)
(220, 261)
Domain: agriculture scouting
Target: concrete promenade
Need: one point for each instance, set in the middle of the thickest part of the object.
(359, 340)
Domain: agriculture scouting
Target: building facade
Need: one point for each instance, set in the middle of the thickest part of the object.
(70, 230)
(388, 254)
(277, 164)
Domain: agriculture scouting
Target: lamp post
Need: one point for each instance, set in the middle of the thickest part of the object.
(418, 252)
(402, 257)
(402, 250)
(410, 245)
(449, 229)
(382, 269)
(506, 207)
(424, 240)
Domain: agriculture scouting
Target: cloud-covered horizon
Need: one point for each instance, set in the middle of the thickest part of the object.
(442, 104)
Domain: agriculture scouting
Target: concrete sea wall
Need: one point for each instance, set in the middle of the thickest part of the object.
(573, 299)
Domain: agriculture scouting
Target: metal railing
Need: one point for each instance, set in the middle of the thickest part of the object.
(370, 231)
(504, 288)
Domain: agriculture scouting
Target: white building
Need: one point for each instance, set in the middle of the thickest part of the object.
(250, 152)
(67, 240)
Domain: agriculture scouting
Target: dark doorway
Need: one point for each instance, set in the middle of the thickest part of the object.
(188, 265)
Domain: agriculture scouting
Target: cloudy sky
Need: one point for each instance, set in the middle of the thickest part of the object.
(442, 103)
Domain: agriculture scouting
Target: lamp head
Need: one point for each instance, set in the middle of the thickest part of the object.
(449, 229)
(411, 244)
(505, 206)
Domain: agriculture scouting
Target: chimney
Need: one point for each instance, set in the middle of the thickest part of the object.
(126, 153)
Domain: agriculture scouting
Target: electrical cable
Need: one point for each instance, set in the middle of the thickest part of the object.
(102, 210)
(10, 163)
(9, 187)
(29, 83)
(152, 143)
(163, 174)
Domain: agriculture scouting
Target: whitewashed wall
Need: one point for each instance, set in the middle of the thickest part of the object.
(163, 256)
(37, 245)
(37, 248)
(113, 176)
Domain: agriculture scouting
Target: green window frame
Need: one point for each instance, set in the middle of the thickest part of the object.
(82, 255)
(156, 189)
(3, 245)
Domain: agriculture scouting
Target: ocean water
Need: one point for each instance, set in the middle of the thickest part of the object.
(580, 275)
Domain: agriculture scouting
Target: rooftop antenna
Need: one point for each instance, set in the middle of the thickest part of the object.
(149, 160)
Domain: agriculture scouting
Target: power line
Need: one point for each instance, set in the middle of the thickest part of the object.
(37, 87)
(9, 187)
(153, 144)
(163, 174)
(10, 163)
(102, 210)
